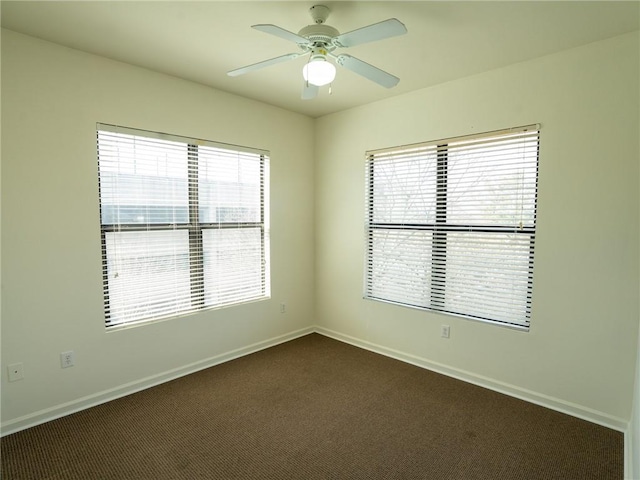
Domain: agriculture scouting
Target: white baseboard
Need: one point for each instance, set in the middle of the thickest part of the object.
(83, 403)
(77, 405)
(628, 455)
(557, 404)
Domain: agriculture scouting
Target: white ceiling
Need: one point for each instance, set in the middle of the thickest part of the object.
(201, 41)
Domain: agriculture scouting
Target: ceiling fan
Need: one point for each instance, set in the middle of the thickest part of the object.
(319, 41)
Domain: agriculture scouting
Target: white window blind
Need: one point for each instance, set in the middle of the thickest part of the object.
(450, 225)
(184, 224)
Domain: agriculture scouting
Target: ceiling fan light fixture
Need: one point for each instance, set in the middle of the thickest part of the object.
(319, 72)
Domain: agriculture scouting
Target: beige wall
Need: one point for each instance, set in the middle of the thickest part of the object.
(52, 98)
(580, 353)
(579, 356)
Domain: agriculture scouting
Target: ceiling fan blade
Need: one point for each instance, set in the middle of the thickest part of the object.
(367, 71)
(265, 63)
(378, 31)
(282, 33)
(309, 91)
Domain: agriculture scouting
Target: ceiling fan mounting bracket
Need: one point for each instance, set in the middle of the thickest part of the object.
(319, 13)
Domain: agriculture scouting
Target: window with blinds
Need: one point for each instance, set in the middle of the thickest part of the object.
(450, 225)
(184, 224)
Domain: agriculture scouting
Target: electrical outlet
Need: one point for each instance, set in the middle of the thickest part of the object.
(67, 359)
(15, 372)
(445, 330)
(283, 307)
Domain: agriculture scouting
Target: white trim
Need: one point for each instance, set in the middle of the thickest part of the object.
(553, 403)
(628, 454)
(547, 401)
(67, 408)
(632, 437)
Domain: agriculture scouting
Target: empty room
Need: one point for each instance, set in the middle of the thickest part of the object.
(320, 240)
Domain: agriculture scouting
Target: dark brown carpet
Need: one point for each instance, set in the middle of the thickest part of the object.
(315, 408)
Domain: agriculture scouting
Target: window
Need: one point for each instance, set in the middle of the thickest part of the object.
(450, 225)
(183, 222)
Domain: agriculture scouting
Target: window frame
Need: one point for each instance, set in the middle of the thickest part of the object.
(193, 226)
(440, 228)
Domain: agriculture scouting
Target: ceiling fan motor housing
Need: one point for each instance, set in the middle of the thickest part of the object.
(320, 35)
